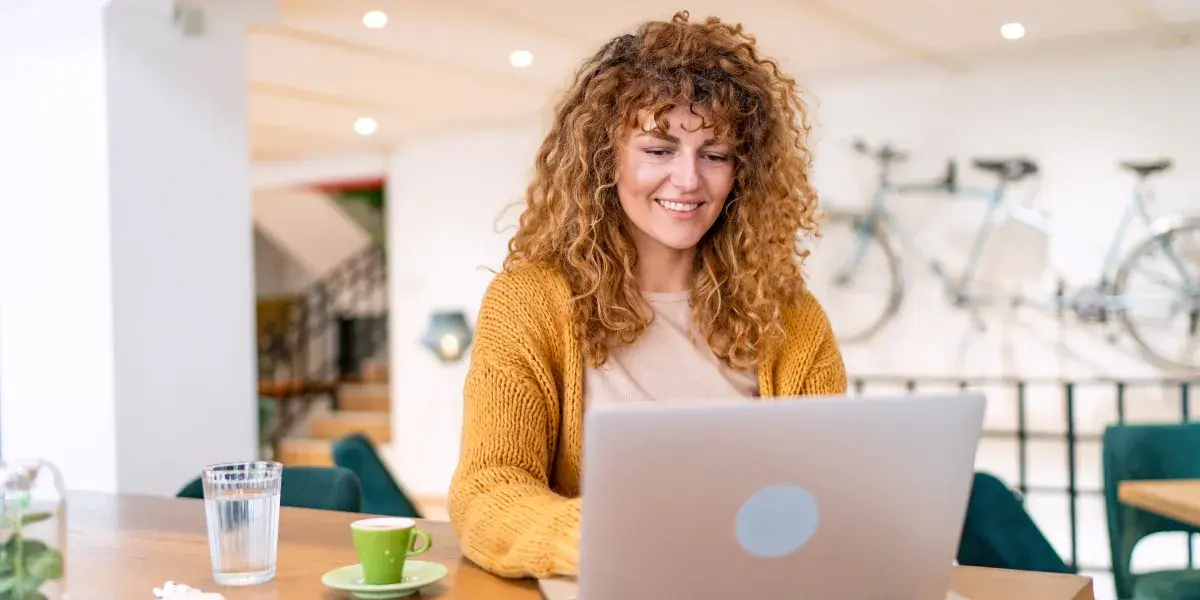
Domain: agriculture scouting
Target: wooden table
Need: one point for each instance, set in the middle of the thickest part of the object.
(1178, 499)
(124, 546)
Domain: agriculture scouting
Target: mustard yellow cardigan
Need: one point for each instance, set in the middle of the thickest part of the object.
(514, 499)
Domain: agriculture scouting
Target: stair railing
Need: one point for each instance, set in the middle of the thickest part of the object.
(303, 352)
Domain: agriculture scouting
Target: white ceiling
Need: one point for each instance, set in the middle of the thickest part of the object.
(444, 63)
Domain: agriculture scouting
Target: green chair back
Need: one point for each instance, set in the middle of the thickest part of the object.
(322, 488)
(382, 495)
(1137, 452)
(999, 533)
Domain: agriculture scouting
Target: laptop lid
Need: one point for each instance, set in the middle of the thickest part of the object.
(798, 498)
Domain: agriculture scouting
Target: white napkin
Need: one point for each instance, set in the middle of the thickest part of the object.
(177, 591)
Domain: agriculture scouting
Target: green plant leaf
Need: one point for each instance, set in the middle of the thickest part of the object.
(26, 519)
(13, 587)
(28, 590)
(32, 518)
(46, 564)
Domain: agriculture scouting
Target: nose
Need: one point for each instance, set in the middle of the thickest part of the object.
(685, 176)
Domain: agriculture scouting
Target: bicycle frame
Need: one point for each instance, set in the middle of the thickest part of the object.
(1135, 208)
(879, 212)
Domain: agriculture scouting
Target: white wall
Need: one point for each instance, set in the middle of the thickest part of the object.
(125, 248)
(1076, 115)
(75, 241)
(446, 200)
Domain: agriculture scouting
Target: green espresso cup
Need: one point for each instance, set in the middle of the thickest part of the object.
(383, 544)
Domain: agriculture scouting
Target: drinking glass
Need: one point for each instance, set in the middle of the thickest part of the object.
(241, 504)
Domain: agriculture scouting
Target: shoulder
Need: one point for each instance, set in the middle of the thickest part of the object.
(527, 289)
(527, 280)
(804, 319)
(524, 304)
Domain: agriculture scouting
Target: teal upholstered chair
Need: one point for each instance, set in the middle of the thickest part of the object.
(1136, 452)
(382, 495)
(999, 533)
(323, 488)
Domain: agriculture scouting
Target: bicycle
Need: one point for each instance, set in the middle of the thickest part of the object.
(872, 231)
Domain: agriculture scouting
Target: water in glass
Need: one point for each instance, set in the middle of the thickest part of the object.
(241, 503)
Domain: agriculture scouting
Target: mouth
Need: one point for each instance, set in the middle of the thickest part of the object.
(679, 207)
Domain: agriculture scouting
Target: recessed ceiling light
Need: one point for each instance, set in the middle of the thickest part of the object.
(375, 19)
(365, 126)
(521, 59)
(1012, 31)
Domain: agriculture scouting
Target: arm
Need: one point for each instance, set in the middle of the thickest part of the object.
(501, 506)
(827, 374)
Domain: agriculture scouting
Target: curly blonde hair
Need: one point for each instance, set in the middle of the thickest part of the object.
(748, 264)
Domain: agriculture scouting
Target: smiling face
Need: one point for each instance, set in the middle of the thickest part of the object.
(673, 184)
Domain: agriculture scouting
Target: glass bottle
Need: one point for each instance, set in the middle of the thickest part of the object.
(33, 531)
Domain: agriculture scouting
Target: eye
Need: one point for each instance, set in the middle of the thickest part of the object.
(656, 151)
(717, 157)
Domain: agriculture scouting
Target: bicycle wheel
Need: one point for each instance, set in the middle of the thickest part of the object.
(855, 274)
(1164, 318)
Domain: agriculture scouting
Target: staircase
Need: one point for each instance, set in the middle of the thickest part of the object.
(361, 408)
(321, 362)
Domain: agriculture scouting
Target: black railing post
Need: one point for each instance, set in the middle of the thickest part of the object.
(1185, 417)
(1120, 402)
(1184, 408)
(1022, 443)
(1072, 491)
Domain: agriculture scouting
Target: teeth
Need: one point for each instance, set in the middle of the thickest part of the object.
(679, 206)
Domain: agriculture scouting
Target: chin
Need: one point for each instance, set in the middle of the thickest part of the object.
(679, 242)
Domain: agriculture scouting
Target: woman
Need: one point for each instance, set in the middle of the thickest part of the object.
(656, 260)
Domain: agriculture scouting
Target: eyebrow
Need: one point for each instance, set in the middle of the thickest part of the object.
(670, 138)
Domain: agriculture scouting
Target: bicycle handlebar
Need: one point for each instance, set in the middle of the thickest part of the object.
(885, 153)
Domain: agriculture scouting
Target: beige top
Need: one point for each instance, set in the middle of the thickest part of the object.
(669, 363)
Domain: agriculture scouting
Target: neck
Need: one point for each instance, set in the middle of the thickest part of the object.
(662, 269)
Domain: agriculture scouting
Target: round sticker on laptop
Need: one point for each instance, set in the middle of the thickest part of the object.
(776, 521)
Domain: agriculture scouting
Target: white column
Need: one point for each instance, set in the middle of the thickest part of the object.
(126, 289)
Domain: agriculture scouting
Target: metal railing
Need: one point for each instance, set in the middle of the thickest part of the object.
(1070, 413)
(321, 337)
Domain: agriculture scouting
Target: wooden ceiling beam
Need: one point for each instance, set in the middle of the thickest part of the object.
(880, 35)
(354, 47)
(279, 90)
(1164, 32)
(501, 13)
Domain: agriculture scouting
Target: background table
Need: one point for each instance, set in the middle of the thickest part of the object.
(124, 546)
(1178, 499)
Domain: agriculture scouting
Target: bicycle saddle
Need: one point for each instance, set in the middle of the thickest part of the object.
(1009, 169)
(1144, 168)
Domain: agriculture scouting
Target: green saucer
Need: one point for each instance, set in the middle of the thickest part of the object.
(417, 574)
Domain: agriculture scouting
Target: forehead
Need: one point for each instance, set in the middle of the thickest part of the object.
(676, 119)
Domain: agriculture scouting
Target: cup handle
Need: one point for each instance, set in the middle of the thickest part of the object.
(419, 535)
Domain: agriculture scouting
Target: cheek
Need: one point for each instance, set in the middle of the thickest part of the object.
(720, 183)
(639, 181)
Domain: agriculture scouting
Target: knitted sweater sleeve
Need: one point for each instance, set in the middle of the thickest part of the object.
(508, 519)
(811, 363)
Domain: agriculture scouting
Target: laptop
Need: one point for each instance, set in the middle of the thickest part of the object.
(808, 498)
